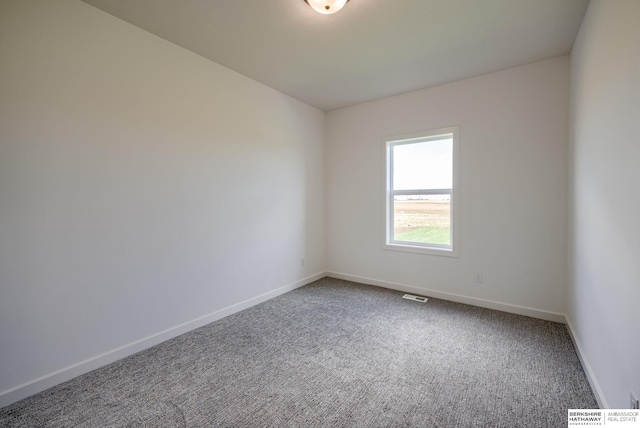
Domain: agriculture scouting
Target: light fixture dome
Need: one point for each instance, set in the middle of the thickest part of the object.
(326, 7)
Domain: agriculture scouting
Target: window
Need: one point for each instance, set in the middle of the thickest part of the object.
(420, 194)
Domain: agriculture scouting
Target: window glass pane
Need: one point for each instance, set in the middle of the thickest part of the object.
(422, 218)
(426, 165)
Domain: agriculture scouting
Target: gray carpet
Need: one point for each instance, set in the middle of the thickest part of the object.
(333, 353)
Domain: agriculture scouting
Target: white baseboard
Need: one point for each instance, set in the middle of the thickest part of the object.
(489, 304)
(591, 377)
(37, 385)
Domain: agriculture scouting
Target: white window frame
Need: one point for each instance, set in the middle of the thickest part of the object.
(388, 243)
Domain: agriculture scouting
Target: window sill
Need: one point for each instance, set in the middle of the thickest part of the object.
(418, 249)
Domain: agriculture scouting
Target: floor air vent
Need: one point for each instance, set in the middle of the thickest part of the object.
(415, 298)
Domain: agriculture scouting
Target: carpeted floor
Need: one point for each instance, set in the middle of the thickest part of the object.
(333, 354)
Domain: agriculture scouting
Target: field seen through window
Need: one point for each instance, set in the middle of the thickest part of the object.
(424, 221)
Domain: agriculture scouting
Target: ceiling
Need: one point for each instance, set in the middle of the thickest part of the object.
(369, 50)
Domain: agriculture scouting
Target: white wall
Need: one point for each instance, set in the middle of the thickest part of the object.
(604, 286)
(141, 187)
(512, 174)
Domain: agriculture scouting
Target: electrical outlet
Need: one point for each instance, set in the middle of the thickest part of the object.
(634, 404)
(478, 278)
(302, 262)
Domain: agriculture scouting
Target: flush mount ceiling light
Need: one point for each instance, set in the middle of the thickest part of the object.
(326, 7)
